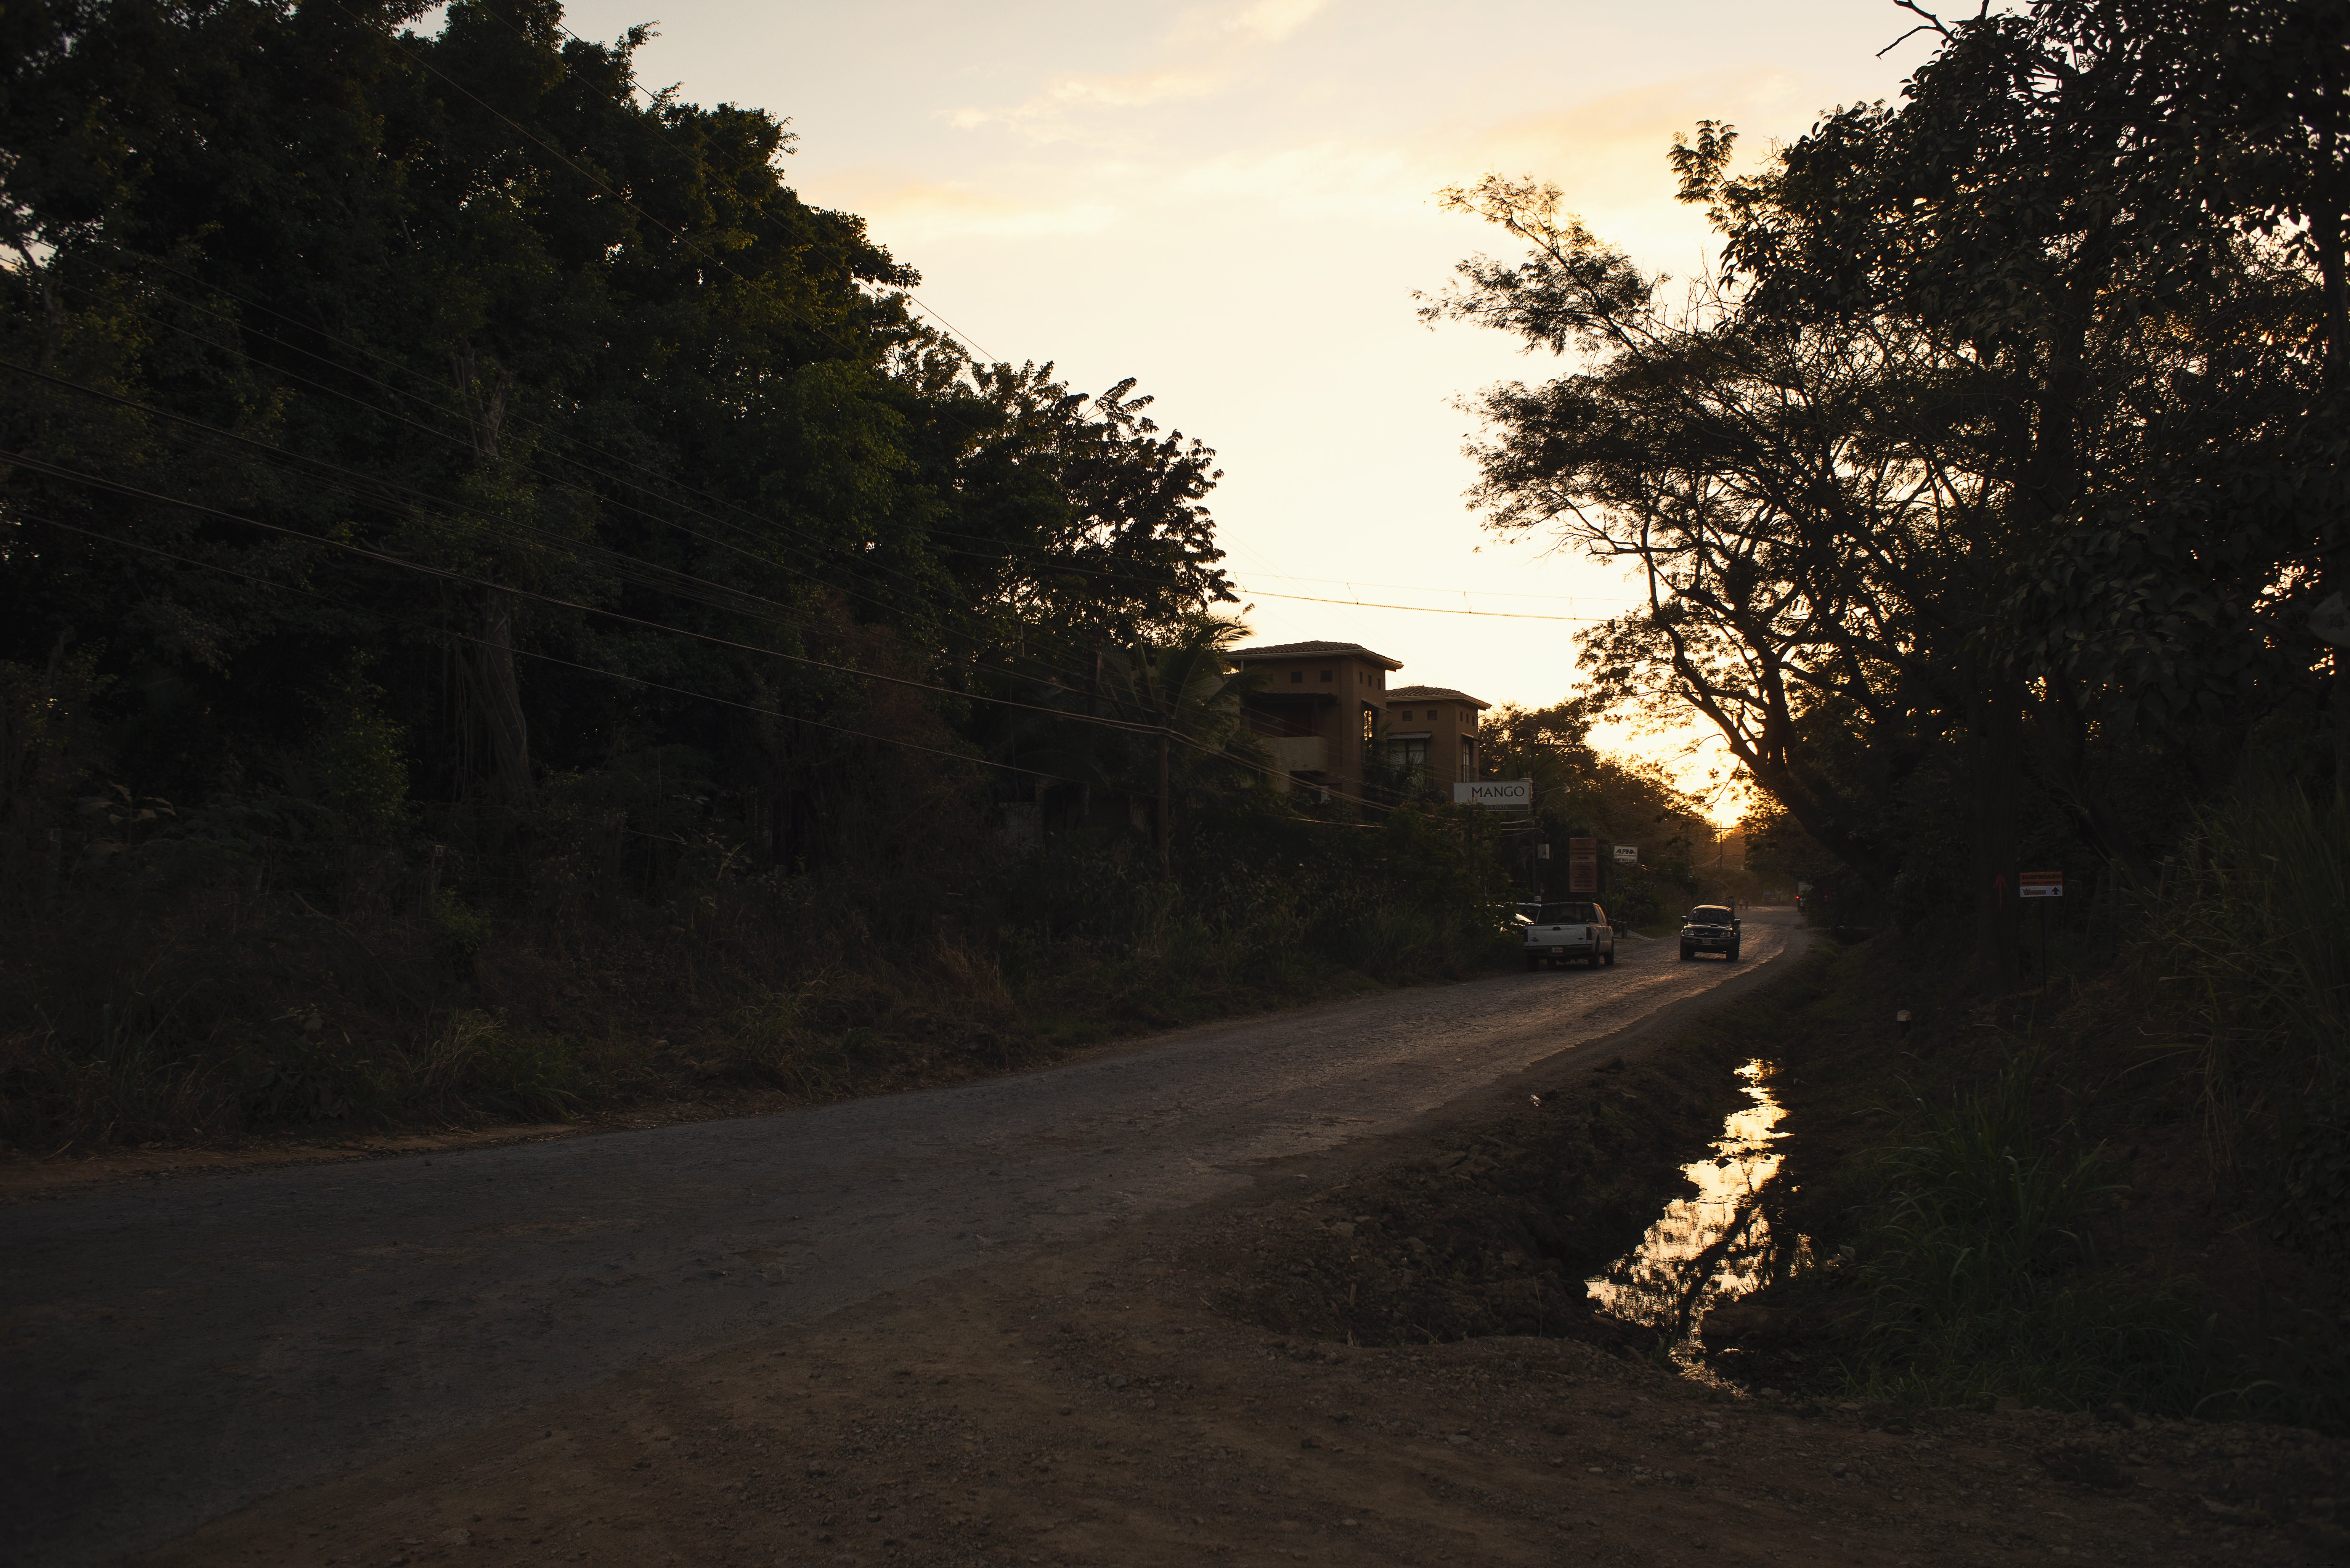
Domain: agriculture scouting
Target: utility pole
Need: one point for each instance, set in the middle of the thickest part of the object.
(1164, 732)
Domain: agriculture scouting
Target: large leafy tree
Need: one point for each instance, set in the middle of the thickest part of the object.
(329, 342)
(1992, 452)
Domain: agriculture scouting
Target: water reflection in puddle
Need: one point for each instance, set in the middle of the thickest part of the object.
(1714, 1247)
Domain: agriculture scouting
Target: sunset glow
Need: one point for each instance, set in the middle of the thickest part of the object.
(1236, 203)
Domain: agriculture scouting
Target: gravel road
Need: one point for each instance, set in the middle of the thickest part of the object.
(177, 1350)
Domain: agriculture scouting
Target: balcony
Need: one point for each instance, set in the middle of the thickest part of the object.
(1299, 753)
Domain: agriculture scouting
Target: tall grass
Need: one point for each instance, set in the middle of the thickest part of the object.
(2248, 934)
(2246, 944)
(380, 986)
(1983, 1275)
(1990, 1260)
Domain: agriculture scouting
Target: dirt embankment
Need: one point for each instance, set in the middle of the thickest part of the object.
(1184, 1392)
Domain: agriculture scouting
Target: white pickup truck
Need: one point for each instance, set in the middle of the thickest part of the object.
(1558, 933)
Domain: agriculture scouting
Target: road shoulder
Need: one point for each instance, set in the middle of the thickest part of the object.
(1129, 1401)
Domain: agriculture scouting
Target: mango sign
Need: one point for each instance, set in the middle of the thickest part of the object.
(1497, 794)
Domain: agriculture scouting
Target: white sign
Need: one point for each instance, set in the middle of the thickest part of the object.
(1499, 794)
(1628, 855)
(2040, 884)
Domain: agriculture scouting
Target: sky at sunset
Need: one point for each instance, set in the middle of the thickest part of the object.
(1236, 202)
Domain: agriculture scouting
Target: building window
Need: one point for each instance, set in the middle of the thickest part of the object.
(1411, 755)
(1407, 715)
(1325, 675)
(1297, 678)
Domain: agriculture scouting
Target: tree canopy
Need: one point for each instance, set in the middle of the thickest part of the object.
(450, 387)
(1994, 481)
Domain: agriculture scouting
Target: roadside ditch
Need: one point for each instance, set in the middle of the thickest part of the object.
(1618, 1208)
(1392, 1354)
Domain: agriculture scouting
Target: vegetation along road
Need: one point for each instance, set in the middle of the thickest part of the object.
(181, 1349)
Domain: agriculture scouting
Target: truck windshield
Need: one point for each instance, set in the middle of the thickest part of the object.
(1570, 915)
(1708, 915)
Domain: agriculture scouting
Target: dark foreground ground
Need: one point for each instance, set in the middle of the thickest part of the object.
(177, 1347)
(1183, 1390)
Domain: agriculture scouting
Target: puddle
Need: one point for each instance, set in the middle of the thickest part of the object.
(1711, 1248)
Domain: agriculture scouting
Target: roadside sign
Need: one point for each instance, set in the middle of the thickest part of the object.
(1583, 866)
(2040, 884)
(1496, 794)
(1628, 855)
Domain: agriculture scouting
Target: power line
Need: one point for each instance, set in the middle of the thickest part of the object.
(652, 98)
(773, 527)
(1486, 593)
(383, 619)
(717, 262)
(370, 487)
(1431, 609)
(438, 631)
(422, 568)
(465, 443)
(448, 574)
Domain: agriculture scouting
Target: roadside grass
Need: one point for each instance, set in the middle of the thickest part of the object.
(389, 994)
(2127, 1185)
(1981, 1273)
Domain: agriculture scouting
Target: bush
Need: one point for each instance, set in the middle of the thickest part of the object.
(1983, 1275)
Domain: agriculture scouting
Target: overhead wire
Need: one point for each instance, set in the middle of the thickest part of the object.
(652, 98)
(55, 470)
(767, 536)
(1424, 587)
(682, 238)
(1164, 730)
(383, 619)
(1436, 609)
(716, 261)
(665, 579)
(372, 487)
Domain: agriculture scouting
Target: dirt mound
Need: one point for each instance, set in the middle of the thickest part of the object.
(1497, 1234)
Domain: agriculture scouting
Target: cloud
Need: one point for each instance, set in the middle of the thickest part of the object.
(1272, 21)
(1614, 146)
(1332, 178)
(1608, 153)
(1132, 90)
(910, 211)
(1207, 51)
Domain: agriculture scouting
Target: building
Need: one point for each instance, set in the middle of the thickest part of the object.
(1319, 708)
(1432, 732)
(1325, 711)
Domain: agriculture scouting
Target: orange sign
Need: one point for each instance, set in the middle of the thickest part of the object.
(2040, 884)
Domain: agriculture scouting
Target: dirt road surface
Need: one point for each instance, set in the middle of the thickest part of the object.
(178, 1350)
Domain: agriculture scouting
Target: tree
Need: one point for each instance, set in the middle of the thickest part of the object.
(1978, 458)
(323, 332)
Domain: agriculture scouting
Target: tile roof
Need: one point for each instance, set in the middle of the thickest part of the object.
(1433, 694)
(1306, 650)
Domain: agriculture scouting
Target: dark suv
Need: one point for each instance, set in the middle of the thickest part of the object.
(1711, 929)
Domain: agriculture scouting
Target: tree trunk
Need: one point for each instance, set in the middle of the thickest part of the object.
(1994, 756)
(497, 698)
(1165, 838)
(497, 692)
